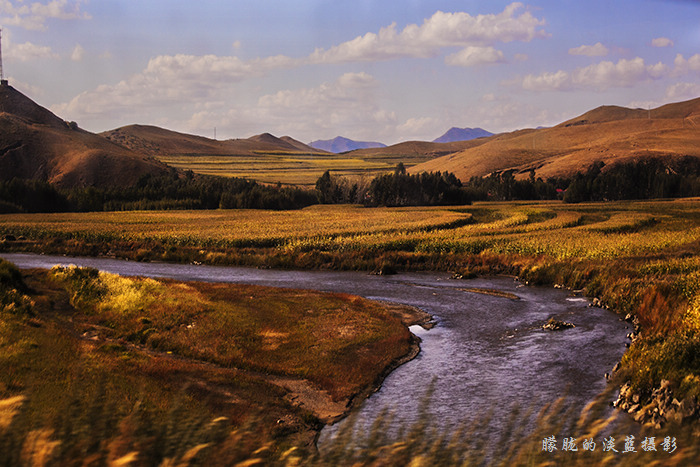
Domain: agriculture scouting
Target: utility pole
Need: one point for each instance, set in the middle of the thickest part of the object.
(3, 81)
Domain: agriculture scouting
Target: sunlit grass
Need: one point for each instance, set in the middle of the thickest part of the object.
(333, 340)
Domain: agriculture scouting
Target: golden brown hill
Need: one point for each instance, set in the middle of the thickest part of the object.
(609, 134)
(36, 144)
(159, 142)
(414, 152)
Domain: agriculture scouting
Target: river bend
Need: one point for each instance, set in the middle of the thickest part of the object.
(486, 352)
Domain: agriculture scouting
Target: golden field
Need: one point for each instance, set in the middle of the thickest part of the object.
(641, 259)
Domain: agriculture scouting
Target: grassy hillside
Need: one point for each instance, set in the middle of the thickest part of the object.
(39, 145)
(609, 134)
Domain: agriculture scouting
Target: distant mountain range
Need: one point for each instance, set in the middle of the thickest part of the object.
(340, 144)
(462, 134)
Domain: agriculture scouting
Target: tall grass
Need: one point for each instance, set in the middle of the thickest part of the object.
(553, 435)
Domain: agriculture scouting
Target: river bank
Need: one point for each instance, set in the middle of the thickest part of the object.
(475, 346)
(270, 373)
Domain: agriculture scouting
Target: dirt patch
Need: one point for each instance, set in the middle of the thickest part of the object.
(303, 394)
(492, 292)
(410, 315)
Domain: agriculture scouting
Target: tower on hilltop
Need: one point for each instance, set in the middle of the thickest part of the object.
(3, 81)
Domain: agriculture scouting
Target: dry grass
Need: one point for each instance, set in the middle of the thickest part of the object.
(608, 134)
(114, 369)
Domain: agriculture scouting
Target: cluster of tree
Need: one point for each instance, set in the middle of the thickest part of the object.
(503, 186)
(393, 189)
(423, 189)
(335, 189)
(643, 179)
(172, 191)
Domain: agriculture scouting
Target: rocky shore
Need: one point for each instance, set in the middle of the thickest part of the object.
(661, 407)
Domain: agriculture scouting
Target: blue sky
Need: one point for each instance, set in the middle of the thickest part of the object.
(369, 70)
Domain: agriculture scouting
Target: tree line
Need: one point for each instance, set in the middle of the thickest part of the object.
(171, 191)
(394, 189)
(643, 179)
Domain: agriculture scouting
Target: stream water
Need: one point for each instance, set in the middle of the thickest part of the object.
(486, 354)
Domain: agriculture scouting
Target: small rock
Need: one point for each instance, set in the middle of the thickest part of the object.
(556, 325)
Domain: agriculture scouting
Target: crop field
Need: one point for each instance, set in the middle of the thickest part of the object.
(550, 229)
(234, 227)
(289, 168)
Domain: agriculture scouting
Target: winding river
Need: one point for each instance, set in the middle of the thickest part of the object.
(487, 352)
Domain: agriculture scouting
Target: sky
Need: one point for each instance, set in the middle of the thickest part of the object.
(370, 70)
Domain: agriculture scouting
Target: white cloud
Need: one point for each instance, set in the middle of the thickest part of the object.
(596, 50)
(506, 114)
(600, 76)
(34, 15)
(662, 42)
(557, 81)
(78, 53)
(346, 102)
(28, 51)
(683, 65)
(607, 74)
(471, 56)
(166, 80)
(26, 88)
(347, 105)
(203, 69)
(440, 30)
(417, 128)
(683, 91)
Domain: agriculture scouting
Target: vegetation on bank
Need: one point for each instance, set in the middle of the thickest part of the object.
(104, 370)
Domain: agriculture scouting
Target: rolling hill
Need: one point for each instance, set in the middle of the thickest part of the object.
(609, 134)
(36, 144)
(158, 142)
(415, 152)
